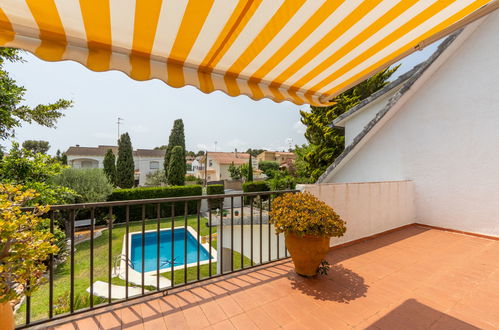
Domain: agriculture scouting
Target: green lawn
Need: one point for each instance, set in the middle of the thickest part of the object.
(39, 299)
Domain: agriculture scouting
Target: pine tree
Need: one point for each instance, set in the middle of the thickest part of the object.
(177, 138)
(110, 167)
(327, 142)
(125, 168)
(176, 168)
(250, 169)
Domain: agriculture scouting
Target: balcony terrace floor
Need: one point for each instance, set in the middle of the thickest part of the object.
(413, 278)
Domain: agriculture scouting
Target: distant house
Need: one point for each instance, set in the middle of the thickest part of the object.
(285, 159)
(218, 165)
(146, 160)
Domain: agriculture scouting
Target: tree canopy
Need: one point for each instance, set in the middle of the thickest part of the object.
(177, 138)
(110, 166)
(36, 146)
(325, 141)
(125, 167)
(176, 168)
(13, 111)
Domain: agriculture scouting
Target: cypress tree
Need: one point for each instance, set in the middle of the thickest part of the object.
(250, 170)
(110, 167)
(177, 138)
(125, 168)
(176, 167)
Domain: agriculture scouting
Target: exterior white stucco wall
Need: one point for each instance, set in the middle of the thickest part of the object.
(368, 208)
(357, 121)
(445, 139)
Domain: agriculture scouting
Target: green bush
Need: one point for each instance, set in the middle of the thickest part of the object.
(267, 167)
(91, 184)
(255, 186)
(155, 192)
(215, 189)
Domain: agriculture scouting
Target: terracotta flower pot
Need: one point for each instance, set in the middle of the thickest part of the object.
(307, 252)
(6, 316)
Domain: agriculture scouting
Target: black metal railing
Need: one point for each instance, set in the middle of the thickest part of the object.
(234, 235)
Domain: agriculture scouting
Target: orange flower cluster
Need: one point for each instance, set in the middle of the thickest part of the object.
(304, 214)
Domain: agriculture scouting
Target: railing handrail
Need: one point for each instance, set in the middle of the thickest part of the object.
(159, 200)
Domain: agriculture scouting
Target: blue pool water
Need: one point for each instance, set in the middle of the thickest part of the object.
(150, 250)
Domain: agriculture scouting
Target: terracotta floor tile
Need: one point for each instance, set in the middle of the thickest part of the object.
(224, 325)
(229, 305)
(261, 319)
(175, 320)
(195, 318)
(110, 320)
(242, 322)
(213, 312)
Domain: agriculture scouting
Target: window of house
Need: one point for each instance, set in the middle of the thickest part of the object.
(211, 163)
(154, 165)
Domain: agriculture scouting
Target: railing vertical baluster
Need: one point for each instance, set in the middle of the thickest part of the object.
(92, 230)
(278, 236)
(185, 241)
(270, 229)
(142, 250)
(261, 254)
(220, 242)
(231, 234)
(110, 252)
(172, 261)
(251, 231)
(198, 241)
(242, 232)
(209, 237)
(51, 271)
(28, 307)
(72, 276)
(127, 248)
(158, 244)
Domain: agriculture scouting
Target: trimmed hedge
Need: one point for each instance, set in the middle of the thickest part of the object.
(215, 189)
(255, 186)
(151, 209)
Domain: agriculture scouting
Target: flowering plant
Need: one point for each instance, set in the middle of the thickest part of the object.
(304, 214)
(25, 243)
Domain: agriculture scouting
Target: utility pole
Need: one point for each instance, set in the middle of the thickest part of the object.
(216, 145)
(120, 120)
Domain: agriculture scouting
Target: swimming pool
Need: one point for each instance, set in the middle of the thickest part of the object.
(165, 250)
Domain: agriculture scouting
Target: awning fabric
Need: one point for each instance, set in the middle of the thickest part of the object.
(296, 50)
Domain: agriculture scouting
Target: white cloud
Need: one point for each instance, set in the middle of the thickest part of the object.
(236, 143)
(299, 127)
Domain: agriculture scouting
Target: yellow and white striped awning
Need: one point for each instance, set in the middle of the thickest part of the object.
(296, 50)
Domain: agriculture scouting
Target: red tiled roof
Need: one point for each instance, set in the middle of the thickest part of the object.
(225, 158)
(102, 149)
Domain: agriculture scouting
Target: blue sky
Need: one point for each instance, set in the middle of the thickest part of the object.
(149, 109)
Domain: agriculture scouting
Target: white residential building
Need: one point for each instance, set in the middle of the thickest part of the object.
(436, 126)
(146, 160)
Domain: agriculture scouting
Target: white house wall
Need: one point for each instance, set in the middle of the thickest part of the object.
(445, 139)
(368, 208)
(246, 248)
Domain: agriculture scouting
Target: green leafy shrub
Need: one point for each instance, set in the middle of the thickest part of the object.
(255, 186)
(155, 192)
(155, 179)
(91, 184)
(110, 166)
(281, 180)
(268, 167)
(26, 243)
(215, 189)
(305, 214)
